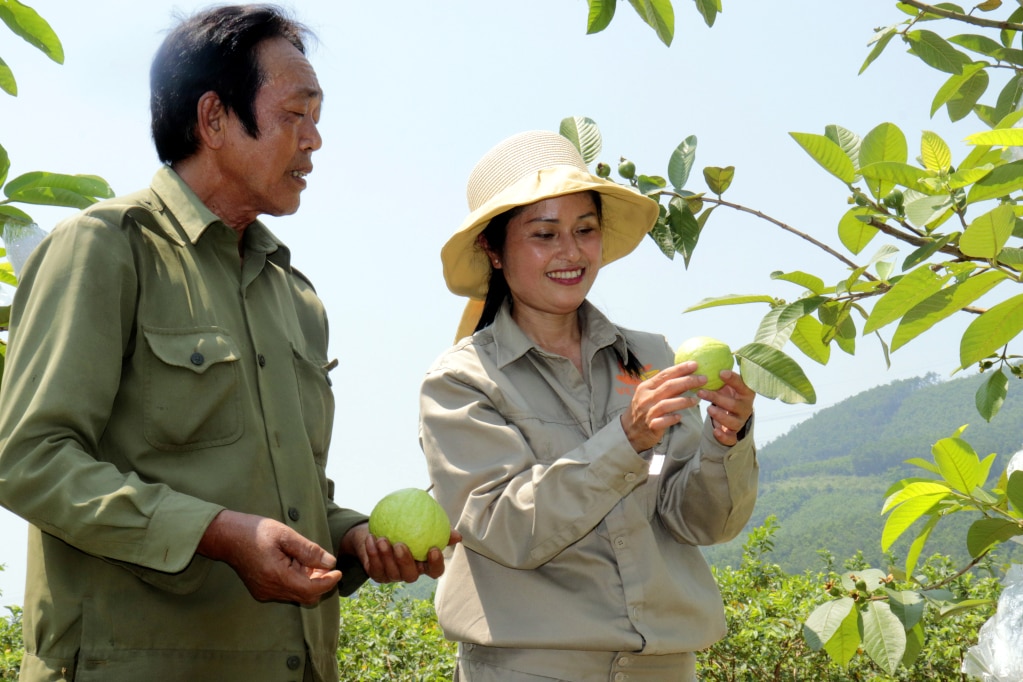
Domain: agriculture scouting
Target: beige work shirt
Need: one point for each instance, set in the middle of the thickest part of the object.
(153, 379)
(572, 540)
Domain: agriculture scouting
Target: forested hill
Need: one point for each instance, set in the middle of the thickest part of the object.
(825, 479)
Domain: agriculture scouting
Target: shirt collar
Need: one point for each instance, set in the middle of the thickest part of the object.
(195, 218)
(512, 343)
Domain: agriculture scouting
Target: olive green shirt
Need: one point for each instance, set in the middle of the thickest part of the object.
(570, 539)
(153, 379)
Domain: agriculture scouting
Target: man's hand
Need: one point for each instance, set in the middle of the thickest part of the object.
(275, 562)
(387, 563)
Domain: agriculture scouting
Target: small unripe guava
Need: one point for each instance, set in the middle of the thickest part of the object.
(711, 356)
(412, 517)
(627, 169)
(603, 170)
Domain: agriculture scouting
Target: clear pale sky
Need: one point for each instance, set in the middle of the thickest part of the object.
(416, 93)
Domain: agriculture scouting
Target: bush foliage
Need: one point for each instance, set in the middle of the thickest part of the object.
(389, 633)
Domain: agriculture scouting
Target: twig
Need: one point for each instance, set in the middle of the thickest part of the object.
(965, 18)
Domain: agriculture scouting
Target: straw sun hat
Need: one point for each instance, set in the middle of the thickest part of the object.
(522, 170)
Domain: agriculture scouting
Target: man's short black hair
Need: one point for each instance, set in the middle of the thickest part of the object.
(215, 50)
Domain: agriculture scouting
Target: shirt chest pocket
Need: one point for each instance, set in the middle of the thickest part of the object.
(191, 388)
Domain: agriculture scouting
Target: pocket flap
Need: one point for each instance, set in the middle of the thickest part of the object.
(194, 349)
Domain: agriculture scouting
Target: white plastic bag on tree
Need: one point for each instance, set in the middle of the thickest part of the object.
(19, 240)
(998, 654)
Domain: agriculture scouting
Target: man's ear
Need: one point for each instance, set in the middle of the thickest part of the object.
(211, 123)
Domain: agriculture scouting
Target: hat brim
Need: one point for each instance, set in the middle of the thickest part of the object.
(626, 216)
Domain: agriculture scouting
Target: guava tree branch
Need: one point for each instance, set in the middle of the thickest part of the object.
(788, 228)
(965, 18)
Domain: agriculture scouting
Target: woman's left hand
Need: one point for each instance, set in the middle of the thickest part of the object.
(731, 407)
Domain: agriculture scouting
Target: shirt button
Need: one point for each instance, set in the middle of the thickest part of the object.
(261, 359)
(624, 660)
(293, 514)
(620, 542)
(630, 477)
(621, 677)
(197, 359)
(294, 662)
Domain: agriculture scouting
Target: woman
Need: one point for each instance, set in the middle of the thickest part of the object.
(570, 453)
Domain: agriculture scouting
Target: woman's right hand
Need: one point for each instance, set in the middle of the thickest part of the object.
(658, 402)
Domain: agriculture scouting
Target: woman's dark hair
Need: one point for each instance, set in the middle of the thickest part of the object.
(497, 291)
(215, 50)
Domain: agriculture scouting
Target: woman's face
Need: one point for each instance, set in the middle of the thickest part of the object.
(552, 253)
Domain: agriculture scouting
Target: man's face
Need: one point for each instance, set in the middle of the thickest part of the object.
(266, 175)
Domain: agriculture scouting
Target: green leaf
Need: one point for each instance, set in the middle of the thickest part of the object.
(931, 247)
(898, 174)
(730, 299)
(985, 533)
(649, 184)
(885, 142)
(659, 15)
(5, 164)
(936, 52)
(915, 489)
(964, 605)
(584, 134)
(784, 316)
(963, 103)
(7, 82)
(828, 621)
(958, 463)
(709, 9)
(828, 154)
(927, 211)
(967, 176)
(988, 233)
(844, 644)
(954, 84)
(991, 395)
(934, 152)
(881, 40)
(1011, 256)
(812, 282)
(1005, 137)
(718, 179)
(661, 233)
(908, 607)
(884, 639)
(914, 644)
(1000, 182)
(923, 464)
(846, 139)
(1014, 490)
(914, 287)
(905, 515)
(600, 15)
(854, 233)
(685, 231)
(7, 275)
(26, 23)
(917, 546)
(980, 44)
(56, 189)
(773, 374)
(10, 214)
(681, 163)
(807, 338)
(993, 329)
(771, 331)
(942, 304)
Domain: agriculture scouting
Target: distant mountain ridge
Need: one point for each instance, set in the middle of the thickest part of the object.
(825, 479)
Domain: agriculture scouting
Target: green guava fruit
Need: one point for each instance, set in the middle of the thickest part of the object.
(412, 517)
(711, 357)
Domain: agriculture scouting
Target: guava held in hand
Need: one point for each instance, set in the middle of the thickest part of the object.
(711, 356)
(412, 517)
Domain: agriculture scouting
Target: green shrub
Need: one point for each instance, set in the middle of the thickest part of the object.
(12, 648)
(387, 634)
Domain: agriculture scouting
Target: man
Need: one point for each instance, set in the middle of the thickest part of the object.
(166, 409)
